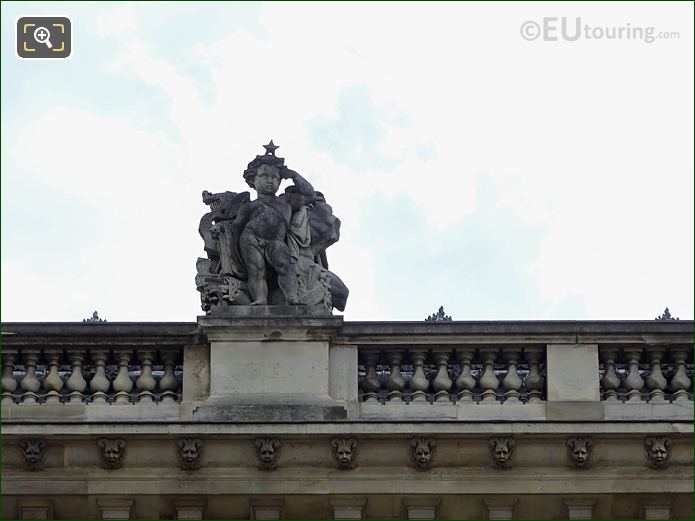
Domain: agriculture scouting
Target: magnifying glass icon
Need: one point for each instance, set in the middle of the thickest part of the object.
(43, 35)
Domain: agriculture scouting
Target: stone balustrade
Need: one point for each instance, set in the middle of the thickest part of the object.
(255, 368)
(651, 373)
(97, 375)
(461, 374)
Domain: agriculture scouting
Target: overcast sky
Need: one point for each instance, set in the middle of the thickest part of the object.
(501, 177)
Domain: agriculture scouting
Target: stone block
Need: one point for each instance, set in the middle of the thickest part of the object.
(196, 372)
(348, 508)
(391, 411)
(27, 412)
(270, 311)
(500, 508)
(342, 372)
(115, 508)
(574, 411)
(579, 508)
(572, 373)
(644, 411)
(657, 511)
(266, 508)
(190, 508)
(420, 507)
(268, 368)
(421, 512)
(35, 509)
(268, 409)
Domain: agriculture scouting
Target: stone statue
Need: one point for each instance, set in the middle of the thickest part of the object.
(95, 318)
(272, 250)
(439, 316)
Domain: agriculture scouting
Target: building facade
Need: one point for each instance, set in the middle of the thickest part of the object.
(312, 417)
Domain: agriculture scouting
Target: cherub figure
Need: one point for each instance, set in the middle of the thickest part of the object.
(272, 250)
(263, 225)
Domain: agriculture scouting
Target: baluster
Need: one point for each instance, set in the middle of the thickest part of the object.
(680, 383)
(655, 379)
(442, 384)
(168, 384)
(465, 383)
(146, 383)
(122, 384)
(511, 383)
(633, 382)
(99, 385)
(9, 384)
(489, 381)
(371, 382)
(395, 382)
(534, 381)
(30, 383)
(418, 383)
(53, 383)
(610, 381)
(76, 384)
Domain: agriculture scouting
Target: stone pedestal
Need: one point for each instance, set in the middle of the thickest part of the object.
(274, 368)
(573, 382)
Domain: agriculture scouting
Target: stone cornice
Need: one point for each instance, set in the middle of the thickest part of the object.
(577, 331)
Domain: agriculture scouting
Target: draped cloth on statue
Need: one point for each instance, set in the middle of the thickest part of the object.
(299, 234)
(230, 257)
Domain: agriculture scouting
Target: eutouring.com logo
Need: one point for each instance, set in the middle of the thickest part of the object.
(44, 37)
(553, 29)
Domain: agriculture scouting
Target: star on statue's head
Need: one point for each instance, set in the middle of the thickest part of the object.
(270, 148)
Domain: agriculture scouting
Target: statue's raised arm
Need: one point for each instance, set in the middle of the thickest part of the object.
(303, 186)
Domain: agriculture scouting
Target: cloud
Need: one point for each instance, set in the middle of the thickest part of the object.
(116, 22)
(353, 137)
(420, 108)
(137, 264)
